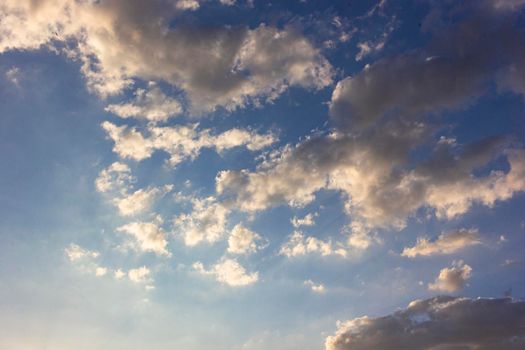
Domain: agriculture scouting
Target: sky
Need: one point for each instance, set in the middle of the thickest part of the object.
(245, 174)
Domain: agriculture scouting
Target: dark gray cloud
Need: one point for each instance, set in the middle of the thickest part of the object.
(458, 66)
(443, 323)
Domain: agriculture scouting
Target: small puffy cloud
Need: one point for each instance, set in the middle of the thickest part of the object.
(129, 143)
(189, 5)
(101, 271)
(140, 200)
(228, 271)
(117, 181)
(13, 75)
(437, 323)
(116, 177)
(307, 220)
(243, 241)
(151, 104)
(149, 236)
(206, 222)
(298, 245)
(446, 243)
(180, 142)
(74, 252)
(119, 274)
(139, 275)
(368, 47)
(452, 279)
(316, 288)
(240, 137)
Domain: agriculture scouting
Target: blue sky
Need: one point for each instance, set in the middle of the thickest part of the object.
(258, 174)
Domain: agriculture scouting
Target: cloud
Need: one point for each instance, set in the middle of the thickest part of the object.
(129, 143)
(379, 185)
(13, 75)
(371, 46)
(230, 272)
(507, 4)
(298, 245)
(446, 243)
(151, 104)
(361, 236)
(74, 252)
(452, 279)
(180, 142)
(243, 240)
(382, 115)
(206, 222)
(438, 323)
(116, 177)
(139, 275)
(119, 274)
(119, 41)
(458, 66)
(149, 236)
(307, 220)
(101, 271)
(316, 288)
(190, 5)
(116, 181)
(140, 200)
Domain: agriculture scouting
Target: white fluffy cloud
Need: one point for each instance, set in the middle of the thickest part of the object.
(116, 177)
(437, 323)
(74, 252)
(116, 181)
(206, 222)
(243, 241)
(149, 236)
(190, 5)
(316, 288)
(180, 142)
(228, 271)
(446, 243)
(119, 274)
(307, 220)
(140, 200)
(298, 245)
(139, 275)
(452, 279)
(101, 271)
(151, 104)
(119, 41)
